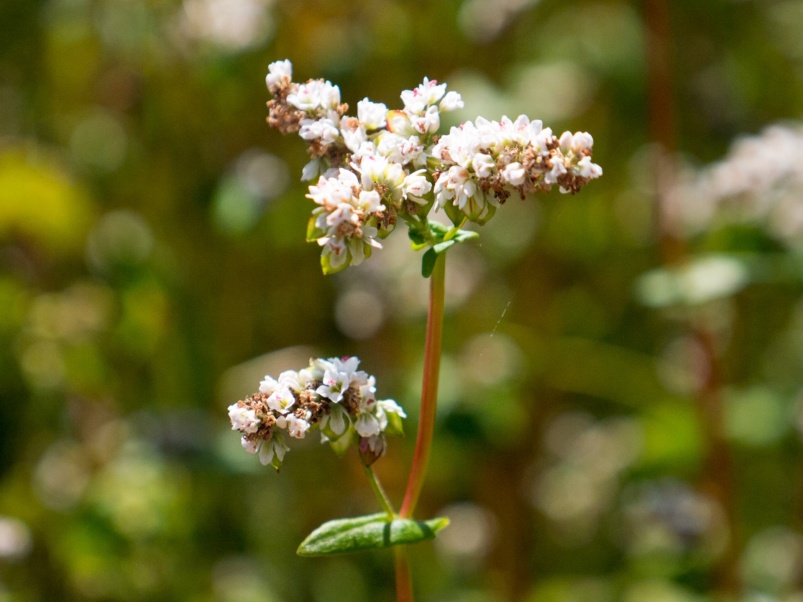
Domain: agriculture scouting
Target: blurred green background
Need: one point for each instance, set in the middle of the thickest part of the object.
(621, 405)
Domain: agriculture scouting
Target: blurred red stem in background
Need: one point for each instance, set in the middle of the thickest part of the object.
(717, 478)
(718, 469)
(662, 127)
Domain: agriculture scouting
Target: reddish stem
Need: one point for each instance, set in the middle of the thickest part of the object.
(429, 390)
(404, 583)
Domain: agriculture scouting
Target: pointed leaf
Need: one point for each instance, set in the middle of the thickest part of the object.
(370, 532)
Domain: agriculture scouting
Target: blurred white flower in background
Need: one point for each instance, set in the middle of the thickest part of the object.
(230, 24)
(760, 181)
(484, 20)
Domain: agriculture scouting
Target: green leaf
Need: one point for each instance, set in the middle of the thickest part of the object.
(438, 229)
(416, 237)
(428, 263)
(443, 246)
(464, 235)
(371, 532)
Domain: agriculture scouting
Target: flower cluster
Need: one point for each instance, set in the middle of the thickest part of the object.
(759, 181)
(483, 162)
(387, 164)
(331, 394)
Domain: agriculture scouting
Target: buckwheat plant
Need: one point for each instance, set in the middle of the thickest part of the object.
(370, 172)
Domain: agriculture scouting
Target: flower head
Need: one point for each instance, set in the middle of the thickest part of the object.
(332, 394)
(387, 164)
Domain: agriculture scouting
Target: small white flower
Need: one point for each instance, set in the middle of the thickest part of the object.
(289, 379)
(373, 115)
(484, 165)
(354, 135)
(456, 186)
(586, 169)
(278, 71)
(565, 142)
(306, 97)
(390, 406)
(330, 95)
(367, 425)
(558, 169)
(514, 173)
(314, 95)
(415, 186)
(399, 123)
(317, 367)
(401, 149)
(243, 419)
(377, 169)
(348, 365)
(334, 385)
(268, 385)
(281, 400)
(295, 426)
(324, 130)
(580, 141)
(367, 388)
(426, 94)
(428, 122)
(370, 201)
(250, 445)
(451, 102)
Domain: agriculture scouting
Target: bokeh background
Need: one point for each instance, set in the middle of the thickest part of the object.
(621, 407)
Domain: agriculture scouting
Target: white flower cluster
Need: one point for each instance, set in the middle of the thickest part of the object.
(760, 181)
(385, 164)
(331, 394)
(369, 168)
(483, 162)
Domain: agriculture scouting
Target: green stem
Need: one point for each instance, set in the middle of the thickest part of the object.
(453, 232)
(429, 391)
(379, 492)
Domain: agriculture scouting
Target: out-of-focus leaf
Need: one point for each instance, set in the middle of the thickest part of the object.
(702, 280)
(40, 202)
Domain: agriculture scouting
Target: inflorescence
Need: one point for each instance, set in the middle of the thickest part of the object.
(388, 164)
(330, 394)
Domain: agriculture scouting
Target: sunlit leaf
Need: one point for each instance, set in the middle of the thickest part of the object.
(373, 531)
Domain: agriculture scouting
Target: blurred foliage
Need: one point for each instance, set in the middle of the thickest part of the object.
(153, 268)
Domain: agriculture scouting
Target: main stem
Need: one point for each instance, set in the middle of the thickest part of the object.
(426, 421)
(429, 389)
